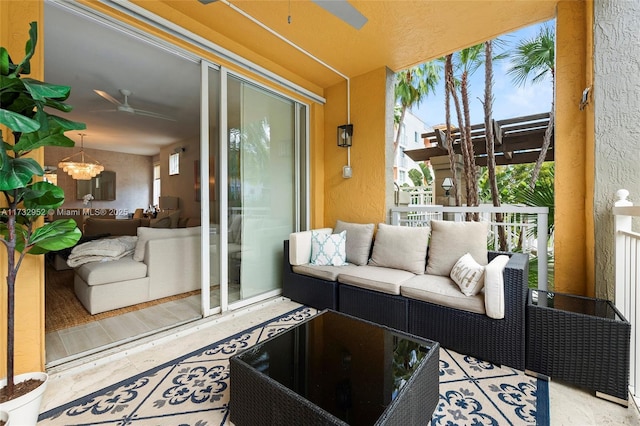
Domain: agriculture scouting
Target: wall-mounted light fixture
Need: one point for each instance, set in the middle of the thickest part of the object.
(447, 184)
(345, 133)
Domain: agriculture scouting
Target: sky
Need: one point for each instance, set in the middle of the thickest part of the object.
(509, 100)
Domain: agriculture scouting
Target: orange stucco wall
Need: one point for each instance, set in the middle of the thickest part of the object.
(573, 265)
(29, 345)
(360, 198)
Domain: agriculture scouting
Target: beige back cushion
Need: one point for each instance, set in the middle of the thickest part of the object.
(400, 247)
(451, 240)
(146, 234)
(173, 215)
(359, 239)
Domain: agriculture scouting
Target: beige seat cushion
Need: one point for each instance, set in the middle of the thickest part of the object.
(327, 273)
(442, 291)
(125, 269)
(384, 280)
(451, 240)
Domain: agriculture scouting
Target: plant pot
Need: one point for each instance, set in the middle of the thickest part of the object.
(24, 410)
(4, 417)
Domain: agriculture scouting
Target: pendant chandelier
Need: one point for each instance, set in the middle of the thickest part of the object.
(81, 170)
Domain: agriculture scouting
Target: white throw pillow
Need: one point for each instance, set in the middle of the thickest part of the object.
(468, 274)
(328, 249)
(494, 287)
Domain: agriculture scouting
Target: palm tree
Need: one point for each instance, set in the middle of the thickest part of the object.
(468, 61)
(490, 138)
(535, 59)
(413, 85)
(450, 91)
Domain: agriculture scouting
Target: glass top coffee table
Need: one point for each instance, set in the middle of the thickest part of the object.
(334, 369)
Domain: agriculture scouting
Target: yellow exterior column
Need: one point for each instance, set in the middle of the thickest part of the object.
(573, 153)
(360, 198)
(15, 17)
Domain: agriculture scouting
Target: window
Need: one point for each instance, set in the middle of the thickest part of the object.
(156, 184)
(174, 164)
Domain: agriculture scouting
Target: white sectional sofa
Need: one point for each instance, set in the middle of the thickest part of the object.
(165, 262)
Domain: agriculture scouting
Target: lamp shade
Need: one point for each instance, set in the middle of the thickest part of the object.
(447, 183)
(345, 133)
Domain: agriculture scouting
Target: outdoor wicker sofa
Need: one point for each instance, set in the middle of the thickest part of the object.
(501, 341)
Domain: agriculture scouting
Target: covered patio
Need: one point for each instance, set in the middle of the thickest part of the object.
(345, 75)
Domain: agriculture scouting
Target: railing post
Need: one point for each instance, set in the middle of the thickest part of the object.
(622, 223)
(543, 256)
(395, 217)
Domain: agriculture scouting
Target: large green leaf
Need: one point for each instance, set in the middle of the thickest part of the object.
(41, 197)
(60, 106)
(31, 141)
(42, 91)
(30, 48)
(18, 122)
(64, 124)
(4, 61)
(54, 236)
(17, 172)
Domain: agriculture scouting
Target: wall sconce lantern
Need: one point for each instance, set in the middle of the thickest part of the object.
(345, 132)
(447, 184)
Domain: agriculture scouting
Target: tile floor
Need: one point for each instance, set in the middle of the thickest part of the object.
(569, 406)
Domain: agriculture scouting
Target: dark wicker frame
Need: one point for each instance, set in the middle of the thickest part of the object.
(585, 350)
(315, 292)
(374, 306)
(256, 399)
(499, 341)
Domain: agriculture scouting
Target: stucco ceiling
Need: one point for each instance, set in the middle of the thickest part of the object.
(398, 34)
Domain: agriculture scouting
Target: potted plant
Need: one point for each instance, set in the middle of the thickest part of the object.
(26, 198)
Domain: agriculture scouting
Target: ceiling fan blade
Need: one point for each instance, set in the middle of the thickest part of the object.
(152, 114)
(107, 96)
(343, 10)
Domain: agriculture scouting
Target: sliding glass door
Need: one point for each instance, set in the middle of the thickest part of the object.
(261, 188)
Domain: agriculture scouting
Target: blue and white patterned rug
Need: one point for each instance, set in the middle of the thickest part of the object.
(193, 389)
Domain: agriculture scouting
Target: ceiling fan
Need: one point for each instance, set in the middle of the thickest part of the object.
(125, 107)
(339, 8)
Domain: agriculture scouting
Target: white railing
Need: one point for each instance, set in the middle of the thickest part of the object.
(517, 223)
(627, 249)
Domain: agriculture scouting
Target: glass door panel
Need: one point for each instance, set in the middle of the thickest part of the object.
(261, 187)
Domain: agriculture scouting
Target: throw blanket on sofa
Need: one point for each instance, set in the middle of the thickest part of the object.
(103, 250)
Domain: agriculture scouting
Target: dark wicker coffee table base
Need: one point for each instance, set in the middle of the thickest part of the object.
(258, 400)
